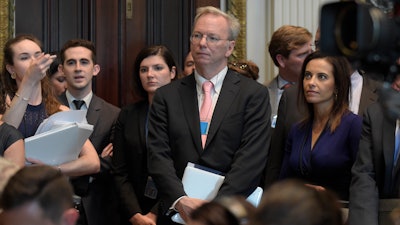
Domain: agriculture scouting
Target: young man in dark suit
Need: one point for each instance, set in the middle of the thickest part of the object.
(288, 47)
(232, 138)
(78, 63)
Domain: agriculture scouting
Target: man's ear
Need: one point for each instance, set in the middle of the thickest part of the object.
(231, 47)
(96, 69)
(281, 60)
(70, 216)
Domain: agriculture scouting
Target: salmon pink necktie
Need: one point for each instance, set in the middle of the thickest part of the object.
(205, 111)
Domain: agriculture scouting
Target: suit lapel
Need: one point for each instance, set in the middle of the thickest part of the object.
(142, 122)
(93, 112)
(229, 90)
(388, 132)
(273, 90)
(188, 94)
(389, 143)
(63, 99)
(368, 95)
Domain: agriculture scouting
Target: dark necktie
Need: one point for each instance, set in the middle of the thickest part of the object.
(78, 103)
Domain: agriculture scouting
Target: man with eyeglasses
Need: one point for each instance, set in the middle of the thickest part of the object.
(215, 117)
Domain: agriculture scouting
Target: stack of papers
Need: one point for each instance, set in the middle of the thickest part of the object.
(59, 139)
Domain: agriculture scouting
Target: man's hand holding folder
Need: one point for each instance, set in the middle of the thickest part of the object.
(201, 185)
(186, 205)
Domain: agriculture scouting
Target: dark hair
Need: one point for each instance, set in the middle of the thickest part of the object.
(42, 184)
(341, 72)
(3, 94)
(152, 50)
(286, 39)
(53, 69)
(291, 202)
(247, 68)
(9, 85)
(78, 43)
(234, 210)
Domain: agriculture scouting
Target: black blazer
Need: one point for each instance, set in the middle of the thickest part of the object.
(102, 115)
(237, 141)
(98, 197)
(130, 160)
(289, 113)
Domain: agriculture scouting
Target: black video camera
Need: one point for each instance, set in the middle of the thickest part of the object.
(368, 34)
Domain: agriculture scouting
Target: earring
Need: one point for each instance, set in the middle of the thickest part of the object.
(13, 76)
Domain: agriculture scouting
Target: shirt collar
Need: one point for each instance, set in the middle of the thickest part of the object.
(87, 99)
(282, 82)
(355, 76)
(217, 80)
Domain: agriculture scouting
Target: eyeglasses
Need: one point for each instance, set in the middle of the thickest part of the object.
(195, 38)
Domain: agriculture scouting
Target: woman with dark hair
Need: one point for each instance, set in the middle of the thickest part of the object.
(321, 148)
(17, 65)
(26, 85)
(57, 78)
(29, 99)
(154, 67)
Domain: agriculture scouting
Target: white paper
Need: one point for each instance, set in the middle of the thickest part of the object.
(62, 118)
(59, 138)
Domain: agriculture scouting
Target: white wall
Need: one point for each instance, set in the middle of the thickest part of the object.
(265, 16)
(256, 40)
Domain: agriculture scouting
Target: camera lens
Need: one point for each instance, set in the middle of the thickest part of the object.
(345, 31)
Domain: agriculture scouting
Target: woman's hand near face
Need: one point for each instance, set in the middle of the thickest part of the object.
(27, 88)
(38, 68)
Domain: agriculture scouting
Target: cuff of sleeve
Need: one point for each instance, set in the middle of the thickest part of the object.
(173, 209)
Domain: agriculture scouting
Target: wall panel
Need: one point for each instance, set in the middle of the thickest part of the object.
(106, 29)
(133, 38)
(118, 38)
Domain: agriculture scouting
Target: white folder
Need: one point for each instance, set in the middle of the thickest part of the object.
(204, 183)
(59, 145)
(200, 183)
